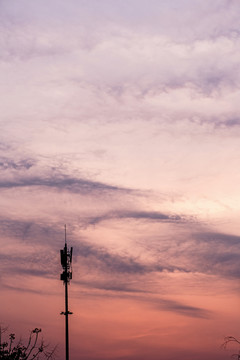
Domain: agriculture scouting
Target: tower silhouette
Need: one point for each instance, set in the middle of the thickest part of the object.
(66, 276)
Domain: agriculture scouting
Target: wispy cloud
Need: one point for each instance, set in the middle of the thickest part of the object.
(217, 253)
(68, 183)
(24, 164)
(134, 215)
(227, 240)
(180, 308)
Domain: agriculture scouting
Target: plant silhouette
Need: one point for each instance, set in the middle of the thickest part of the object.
(34, 349)
(231, 339)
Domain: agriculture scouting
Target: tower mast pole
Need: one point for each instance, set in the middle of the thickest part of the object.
(66, 304)
(66, 276)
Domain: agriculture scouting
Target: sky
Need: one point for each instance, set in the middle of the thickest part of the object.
(120, 119)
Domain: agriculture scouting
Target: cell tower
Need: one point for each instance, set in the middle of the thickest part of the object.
(66, 276)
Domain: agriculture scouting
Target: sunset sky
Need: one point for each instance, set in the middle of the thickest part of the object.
(121, 119)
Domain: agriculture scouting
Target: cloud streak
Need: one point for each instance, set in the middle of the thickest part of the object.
(217, 253)
(182, 309)
(24, 164)
(68, 183)
(134, 215)
(102, 259)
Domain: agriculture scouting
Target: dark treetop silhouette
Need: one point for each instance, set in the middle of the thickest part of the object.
(35, 348)
(231, 339)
